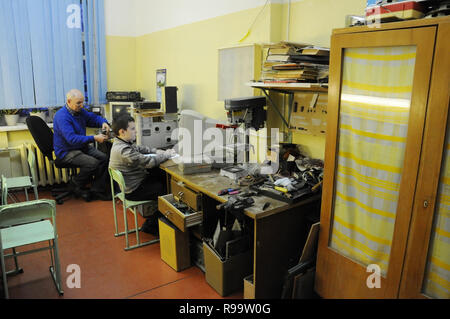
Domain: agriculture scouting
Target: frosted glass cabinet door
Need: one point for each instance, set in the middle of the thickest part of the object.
(426, 271)
(373, 126)
(376, 111)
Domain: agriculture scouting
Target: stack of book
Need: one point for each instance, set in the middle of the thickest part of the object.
(288, 62)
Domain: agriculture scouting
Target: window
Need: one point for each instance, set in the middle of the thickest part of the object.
(48, 47)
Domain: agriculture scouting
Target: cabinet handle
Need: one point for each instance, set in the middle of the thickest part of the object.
(167, 213)
(425, 203)
(180, 194)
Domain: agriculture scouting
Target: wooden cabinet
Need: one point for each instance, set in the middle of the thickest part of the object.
(185, 194)
(166, 205)
(384, 202)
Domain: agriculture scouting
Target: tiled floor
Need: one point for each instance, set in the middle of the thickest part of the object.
(86, 239)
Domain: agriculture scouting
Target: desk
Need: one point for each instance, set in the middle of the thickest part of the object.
(279, 232)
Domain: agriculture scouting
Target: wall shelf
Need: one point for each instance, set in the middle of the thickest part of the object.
(290, 89)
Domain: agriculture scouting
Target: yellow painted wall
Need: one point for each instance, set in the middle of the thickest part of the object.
(190, 55)
(121, 63)
(313, 20)
(278, 22)
(190, 52)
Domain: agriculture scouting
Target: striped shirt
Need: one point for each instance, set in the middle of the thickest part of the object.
(131, 160)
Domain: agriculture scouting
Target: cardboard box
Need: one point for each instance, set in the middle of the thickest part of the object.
(174, 245)
(227, 276)
(249, 287)
(402, 10)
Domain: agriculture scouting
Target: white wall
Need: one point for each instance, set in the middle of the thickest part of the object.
(140, 17)
(120, 17)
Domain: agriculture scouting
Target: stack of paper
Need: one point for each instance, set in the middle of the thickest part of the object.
(295, 62)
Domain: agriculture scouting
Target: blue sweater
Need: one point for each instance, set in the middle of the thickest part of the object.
(69, 131)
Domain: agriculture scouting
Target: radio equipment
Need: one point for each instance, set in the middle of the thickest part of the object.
(114, 96)
(147, 105)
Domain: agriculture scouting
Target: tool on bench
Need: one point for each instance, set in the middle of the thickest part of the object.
(236, 203)
(229, 191)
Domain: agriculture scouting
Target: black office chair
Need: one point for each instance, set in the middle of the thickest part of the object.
(43, 137)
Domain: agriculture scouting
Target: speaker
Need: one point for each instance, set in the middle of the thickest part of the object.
(167, 140)
(158, 128)
(171, 99)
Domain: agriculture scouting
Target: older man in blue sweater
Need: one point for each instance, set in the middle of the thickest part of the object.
(72, 146)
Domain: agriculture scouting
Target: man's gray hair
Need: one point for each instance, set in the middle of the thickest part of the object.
(74, 93)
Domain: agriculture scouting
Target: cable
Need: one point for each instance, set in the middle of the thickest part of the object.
(251, 26)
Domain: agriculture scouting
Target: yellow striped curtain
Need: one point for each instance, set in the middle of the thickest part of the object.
(373, 124)
(437, 275)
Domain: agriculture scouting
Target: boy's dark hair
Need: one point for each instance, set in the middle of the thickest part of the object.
(121, 123)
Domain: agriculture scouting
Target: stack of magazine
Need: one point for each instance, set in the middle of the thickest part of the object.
(290, 62)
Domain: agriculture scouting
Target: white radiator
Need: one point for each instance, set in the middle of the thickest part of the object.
(47, 174)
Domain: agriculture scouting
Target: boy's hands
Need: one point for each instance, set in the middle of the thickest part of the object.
(160, 158)
(168, 153)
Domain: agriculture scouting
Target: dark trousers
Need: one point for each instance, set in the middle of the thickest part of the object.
(152, 187)
(93, 166)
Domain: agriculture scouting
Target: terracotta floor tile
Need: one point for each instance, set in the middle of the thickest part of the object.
(86, 238)
(183, 289)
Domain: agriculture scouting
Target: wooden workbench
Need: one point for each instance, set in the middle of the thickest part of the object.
(279, 232)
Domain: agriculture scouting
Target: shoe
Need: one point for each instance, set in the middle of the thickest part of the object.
(85, 195)
(102, 196)
(74, 187)
(153, 231)
(79, 192)
(150, 226)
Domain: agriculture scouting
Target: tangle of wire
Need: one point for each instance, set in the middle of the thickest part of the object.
(253, 23)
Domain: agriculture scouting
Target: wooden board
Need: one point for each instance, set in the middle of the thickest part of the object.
(394, 25)
(303, 285)
(311, 243)
(309, 114)
(306, 87)
(149, 113)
